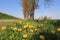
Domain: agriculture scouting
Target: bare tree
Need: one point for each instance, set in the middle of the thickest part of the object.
(29, 7)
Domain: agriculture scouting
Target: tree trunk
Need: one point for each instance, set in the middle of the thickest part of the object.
(25, 14)
(32, 15)
(32, 12)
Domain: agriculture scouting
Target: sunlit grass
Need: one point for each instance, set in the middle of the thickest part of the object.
(26, 30)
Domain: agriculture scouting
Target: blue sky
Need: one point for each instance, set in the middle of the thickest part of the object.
(13, 7)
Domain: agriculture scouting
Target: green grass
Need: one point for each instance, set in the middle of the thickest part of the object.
(4, 16)
(46, 29)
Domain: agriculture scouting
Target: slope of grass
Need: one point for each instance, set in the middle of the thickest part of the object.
(6, 16)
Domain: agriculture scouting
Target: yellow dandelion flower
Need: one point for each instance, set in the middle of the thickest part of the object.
(41, 24)
(31, 30)
(26, 26)
(11, 27)
(14, 28)
(58, 29)
(25, 36)
(36, 29)
(31, 26)
(19, 29)
(3, 28)
(52, 31)
(42, 37)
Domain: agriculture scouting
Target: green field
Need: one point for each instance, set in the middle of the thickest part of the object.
(28, 30)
